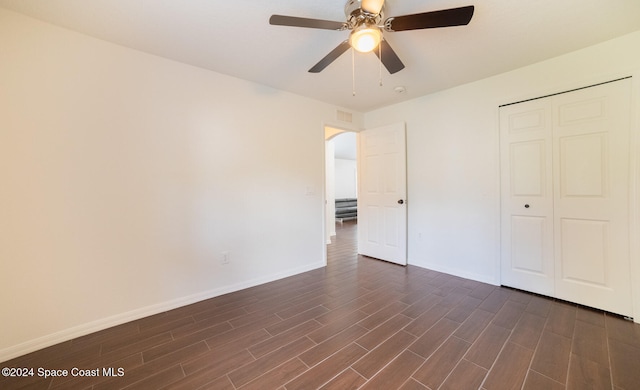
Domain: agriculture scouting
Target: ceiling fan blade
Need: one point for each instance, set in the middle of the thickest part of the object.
(372, 6)
(389, 58)
(329, 58)
(443, 18)
(294, 21)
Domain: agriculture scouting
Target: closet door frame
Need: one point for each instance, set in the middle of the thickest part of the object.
(634, 168)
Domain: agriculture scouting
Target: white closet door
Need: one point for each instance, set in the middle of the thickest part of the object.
(591, 200)
(527, 197)
(565, 185)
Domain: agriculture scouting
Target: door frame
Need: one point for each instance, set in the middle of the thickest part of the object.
(330, 130)
(634, 188)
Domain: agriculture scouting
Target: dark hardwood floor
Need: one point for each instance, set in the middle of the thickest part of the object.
(358, 323)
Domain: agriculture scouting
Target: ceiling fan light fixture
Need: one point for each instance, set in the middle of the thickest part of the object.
(365, 38)
(365, 19)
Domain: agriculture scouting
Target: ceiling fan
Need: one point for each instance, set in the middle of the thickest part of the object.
(364, 19)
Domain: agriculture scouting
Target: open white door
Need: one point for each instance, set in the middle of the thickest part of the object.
(382, 207)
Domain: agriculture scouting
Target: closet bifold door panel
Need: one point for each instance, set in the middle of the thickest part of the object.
(565, 167)
(527, 197)
(591, 138)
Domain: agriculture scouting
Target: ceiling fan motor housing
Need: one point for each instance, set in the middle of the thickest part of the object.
(356, 16)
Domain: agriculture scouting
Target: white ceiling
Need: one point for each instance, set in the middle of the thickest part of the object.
(234, 37)
(345, 145)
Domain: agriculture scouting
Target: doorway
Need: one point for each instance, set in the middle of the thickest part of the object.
(341, 180)
(380, 191)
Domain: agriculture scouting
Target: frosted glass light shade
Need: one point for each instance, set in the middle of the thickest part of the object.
(365, 38)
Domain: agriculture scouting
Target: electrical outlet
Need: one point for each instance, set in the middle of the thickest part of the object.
(225, 257)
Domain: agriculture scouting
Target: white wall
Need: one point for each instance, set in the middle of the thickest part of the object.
(124, 176)
(453, 156)
(346, 184)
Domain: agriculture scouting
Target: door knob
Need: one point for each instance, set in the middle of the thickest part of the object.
(400, 201)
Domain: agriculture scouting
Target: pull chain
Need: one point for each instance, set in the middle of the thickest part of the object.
(353, 71)
(380, 56)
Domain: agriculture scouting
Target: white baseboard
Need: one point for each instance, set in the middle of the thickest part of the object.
(118, 319)
(457, 272)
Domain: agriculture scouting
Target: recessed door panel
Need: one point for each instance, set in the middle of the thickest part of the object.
(585, 249)
(527, 244)
(527, 161)
(391, 232)
(371, 178)
(391, 178)
(529, 120)
(372, 225)
(583, 165)
(587, 110)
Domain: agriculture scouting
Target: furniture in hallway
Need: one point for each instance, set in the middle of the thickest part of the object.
(346, 209)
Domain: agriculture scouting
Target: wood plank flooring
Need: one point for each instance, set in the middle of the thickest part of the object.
(358, 323)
